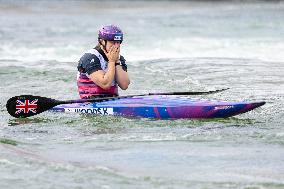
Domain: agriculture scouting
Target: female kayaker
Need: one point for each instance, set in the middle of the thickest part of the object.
(102, 69)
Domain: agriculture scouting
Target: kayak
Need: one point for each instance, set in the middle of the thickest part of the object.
(161, 107)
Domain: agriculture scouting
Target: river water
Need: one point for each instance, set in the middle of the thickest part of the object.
(169, 46)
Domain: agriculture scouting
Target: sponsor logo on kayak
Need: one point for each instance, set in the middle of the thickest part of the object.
(223, 107)
(100, 111)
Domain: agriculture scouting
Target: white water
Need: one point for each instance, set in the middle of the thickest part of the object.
(51, 31)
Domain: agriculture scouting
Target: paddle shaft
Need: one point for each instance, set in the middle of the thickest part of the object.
(29, 105)
(129, 96)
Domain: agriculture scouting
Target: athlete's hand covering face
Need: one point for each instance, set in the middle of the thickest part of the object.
(112, 50)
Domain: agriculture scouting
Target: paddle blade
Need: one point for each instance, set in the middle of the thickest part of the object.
(28, 105)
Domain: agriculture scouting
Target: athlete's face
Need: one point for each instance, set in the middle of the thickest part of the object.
(109, 44)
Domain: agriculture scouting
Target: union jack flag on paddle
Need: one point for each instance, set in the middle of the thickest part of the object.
(26, 106)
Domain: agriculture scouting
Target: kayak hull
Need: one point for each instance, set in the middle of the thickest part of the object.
(162, 107)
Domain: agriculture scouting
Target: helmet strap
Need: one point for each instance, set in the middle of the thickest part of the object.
(103, 45)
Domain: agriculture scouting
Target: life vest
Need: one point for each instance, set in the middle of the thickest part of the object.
(87, 88)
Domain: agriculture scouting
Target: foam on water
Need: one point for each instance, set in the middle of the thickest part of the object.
(235, 30)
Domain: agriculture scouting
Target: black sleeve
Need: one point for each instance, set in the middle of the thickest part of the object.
(89, 63)
(123, 64)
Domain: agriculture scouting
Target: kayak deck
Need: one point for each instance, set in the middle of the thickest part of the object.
(162, 107)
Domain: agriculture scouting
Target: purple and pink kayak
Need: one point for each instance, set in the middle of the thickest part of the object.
(162, 107)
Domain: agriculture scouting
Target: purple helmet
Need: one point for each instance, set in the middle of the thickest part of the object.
(111, 33)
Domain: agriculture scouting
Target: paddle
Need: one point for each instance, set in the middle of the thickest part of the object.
(28, 105)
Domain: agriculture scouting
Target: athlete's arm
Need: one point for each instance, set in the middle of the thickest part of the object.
(121, 76)
(104, 79)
